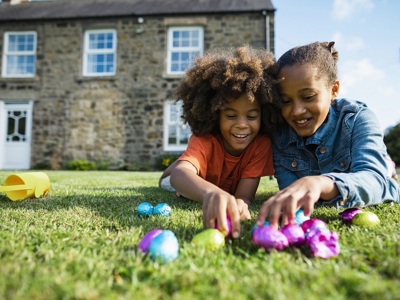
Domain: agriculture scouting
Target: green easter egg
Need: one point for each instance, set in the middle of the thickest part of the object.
(210, 239)
(366, 218)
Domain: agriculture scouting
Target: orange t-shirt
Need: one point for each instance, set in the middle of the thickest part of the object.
(214, 164)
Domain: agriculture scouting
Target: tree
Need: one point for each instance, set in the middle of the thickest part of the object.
(392, 141)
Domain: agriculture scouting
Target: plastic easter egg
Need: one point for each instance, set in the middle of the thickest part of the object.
(366, 219)
(299, 218)
(210, 239)
(312, 223)
(266, 223)
(162, 209)
(348, 214)
(145, 242)
(294, 233)
(144, 209)
(269, 238)
(228, 220)
(164, 247)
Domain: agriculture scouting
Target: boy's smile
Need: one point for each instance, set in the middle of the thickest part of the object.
(239, 123)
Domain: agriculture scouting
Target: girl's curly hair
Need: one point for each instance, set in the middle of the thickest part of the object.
(220, 76)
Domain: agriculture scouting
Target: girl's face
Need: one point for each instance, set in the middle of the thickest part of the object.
(306, 99)
(239, 123)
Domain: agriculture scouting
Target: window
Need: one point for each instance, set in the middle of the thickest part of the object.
(176, 133)
(19, 54)
(184, 45)
(99, 57)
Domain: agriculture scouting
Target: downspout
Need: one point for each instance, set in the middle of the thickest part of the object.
(267, 31)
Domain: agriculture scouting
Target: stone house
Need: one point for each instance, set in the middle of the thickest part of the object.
(94, 79)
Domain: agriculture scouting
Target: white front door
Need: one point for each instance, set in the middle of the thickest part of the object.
(15, 135)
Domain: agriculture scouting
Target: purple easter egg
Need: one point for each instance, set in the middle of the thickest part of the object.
(312, 223)
(269, 237)
(228, 220)
(323, 243)
(294, 234)
(144, 244)
(266, 223)
(348, 214)
(315, 231)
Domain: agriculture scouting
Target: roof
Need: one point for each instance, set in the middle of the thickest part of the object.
(67, 9)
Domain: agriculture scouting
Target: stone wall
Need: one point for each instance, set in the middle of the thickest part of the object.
(119, 118)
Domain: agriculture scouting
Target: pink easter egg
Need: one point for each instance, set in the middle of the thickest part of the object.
(348, 214)
(312, 223)
(294, 234)
(228, 220)
(269, 237)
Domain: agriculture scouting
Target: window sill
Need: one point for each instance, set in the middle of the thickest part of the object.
(81, 78)
(20, 79)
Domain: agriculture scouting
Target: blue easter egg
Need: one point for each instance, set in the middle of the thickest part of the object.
(164, 247)
(299, 218)
(144, 209)
(162, 209)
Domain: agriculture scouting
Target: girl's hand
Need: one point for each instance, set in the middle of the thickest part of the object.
(303, 193)
(216, 207)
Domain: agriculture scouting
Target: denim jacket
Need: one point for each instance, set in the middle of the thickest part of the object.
(348, 147)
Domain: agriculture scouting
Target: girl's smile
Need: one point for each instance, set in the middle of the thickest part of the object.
(306, 98)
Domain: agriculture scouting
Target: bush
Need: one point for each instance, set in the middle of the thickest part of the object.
(392, 141)
(81, 165)
(165, 160)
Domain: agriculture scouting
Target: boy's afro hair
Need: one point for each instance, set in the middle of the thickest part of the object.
(221, 76)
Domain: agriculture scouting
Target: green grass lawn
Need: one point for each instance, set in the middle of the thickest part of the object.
(80, 242)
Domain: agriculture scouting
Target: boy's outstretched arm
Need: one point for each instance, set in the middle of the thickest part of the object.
(216, 202)
(167, 172)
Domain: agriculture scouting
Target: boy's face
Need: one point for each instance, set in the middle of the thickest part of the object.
(306, 99)
(239, 123)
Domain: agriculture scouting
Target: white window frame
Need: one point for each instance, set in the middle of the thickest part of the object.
(7, 53)
(168, 105)
(179, 49)
(88, 51)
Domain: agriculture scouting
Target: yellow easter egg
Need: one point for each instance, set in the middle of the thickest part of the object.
(210, 239)
(366, 219)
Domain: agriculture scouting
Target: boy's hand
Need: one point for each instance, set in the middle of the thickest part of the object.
(243, 208)
(216, 207)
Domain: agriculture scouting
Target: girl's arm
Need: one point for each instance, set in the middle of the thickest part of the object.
(216, 202)
(367, 183)
(304, 193)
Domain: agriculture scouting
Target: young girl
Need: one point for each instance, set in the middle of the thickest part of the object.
(227, 102)
(329, 150)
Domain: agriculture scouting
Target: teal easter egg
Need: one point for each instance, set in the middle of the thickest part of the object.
(144, 209)
(210, 239)
(366, 219)
(165, 247)
(300, 218)
(162, 209)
